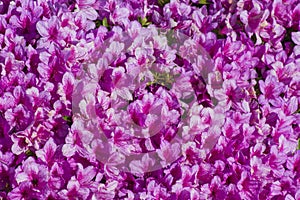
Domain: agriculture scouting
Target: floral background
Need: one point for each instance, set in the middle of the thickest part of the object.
(254, 46)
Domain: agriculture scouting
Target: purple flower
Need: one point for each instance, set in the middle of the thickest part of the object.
(25, 23)
(23, 191)
(268, 88)
(74, 191)
(81, 185)
(84, 19)
(276, 160)
(120, 16)
(19, 117)
(50, 30)
(48, 152)
(84, 4)
(296, 37)
(280, 12)
(293, 164)
(106, 191)
(56, 179)
(255, 18)
(51, 117)
(21, 142)
(248, 187)
(67, 87)
(85, 177)
(34, 176)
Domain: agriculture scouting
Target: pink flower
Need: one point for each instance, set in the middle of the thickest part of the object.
(141, 166)
(106, 191)
(74, 190)
(248, 187)
(47, 153)
(74, 140)
(50, 30)
(271, 88)
(168, 152)
(21, 142)
(276, 161)
(34, 174)
(19, 117)
(66, 87)
(85, 3)
(296, 39)
(120, 16)
(23, 191)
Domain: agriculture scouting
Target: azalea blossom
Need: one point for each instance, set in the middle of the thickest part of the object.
(150, 99)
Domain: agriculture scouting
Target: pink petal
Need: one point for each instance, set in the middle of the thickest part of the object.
(42, 27)
(68, 150)
(296, 37)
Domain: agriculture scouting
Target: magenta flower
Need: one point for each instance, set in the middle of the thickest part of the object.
(21, 142)
(106, 191)
(74, 191)
(23, 191)
(48, 152)
(19, 117)
(25, 24)
(50, 30)
(296, 37)
(103, 100)
(120, 16)
(248, 187)
(67, 87)
(56, 179)
(84, 4)
(34, 177)
(268, 88)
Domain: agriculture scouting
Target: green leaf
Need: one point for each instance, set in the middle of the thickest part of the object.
(150, 83)
(29, 153)
(98, 23)
(144, 21)
(163, 2)
(254, 39)
(68, 119)
(143, 79)
(163, 79)
(105, 22)
(257, 90)
(204, 2)
(298, 144)
(185, 114)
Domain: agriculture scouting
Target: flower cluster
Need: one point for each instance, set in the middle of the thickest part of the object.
(66, 77)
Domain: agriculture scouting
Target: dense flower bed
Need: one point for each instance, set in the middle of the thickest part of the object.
(254, 46)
